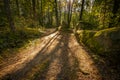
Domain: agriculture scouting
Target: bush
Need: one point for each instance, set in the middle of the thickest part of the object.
(103, 41)
(10, 40)
(86, 26)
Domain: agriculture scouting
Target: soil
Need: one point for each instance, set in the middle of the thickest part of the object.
(57, 56)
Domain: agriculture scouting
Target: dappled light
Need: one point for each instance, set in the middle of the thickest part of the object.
(60, 58)
(59, 39)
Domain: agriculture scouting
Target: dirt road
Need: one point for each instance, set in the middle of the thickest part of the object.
(58, 56)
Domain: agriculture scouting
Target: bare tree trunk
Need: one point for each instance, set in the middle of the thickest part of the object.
(82, 8)
(49, 15)
(56, 13)
(51, 18)
(70, 5)
(116, 8)
(64, 13)
(42, 13)
(18, 8)
(8, 14)
(34, 8)
(60, 13)
(104, 14)
(71, 10)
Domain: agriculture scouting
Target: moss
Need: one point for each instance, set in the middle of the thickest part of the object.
(109, 38)
(102, 41)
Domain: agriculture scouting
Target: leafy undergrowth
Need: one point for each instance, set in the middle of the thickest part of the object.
(107, 40)
(104, 42)
(106, 46)
(11, 42)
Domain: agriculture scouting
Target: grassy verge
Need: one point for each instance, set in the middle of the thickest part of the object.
(105, 43)
(11, 42)
(102, 41)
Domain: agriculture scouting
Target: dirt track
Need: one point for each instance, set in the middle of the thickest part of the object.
(57, 57)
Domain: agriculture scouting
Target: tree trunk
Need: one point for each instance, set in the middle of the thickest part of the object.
(116, 7)
(18, 8)
(49, 16)
(82, 8)
(56, 13)
(8, 14)
(34, 8)
(41, 13)
(70, 5)
(60, 13)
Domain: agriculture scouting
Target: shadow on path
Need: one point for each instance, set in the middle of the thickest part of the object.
(69, 63)
(56, 48)
(102, 64)
(39, 58)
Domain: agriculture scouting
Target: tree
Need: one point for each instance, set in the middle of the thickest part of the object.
(56, 13)
(82, 8)
(116, 13)
(18, 7)
(41, 12)
(34, 8)
(8, 14)
(70, 4)
(2, 14)
(60, 12)
(107, 13)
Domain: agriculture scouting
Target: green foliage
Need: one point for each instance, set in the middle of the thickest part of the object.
(3, 20)
(90, 18)
(98, 15)
(26, 22)
(86, 26)
(102, 41)
(10, 40)
(103, 10)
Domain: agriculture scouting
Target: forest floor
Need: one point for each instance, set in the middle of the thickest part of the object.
(58, 56)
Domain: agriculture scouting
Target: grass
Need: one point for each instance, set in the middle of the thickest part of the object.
(101, 41)
(11, 42)
(105, 43)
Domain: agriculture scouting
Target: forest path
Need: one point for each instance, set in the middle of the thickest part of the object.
(58, 57)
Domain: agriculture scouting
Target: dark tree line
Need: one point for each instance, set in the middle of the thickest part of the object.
(103, 13)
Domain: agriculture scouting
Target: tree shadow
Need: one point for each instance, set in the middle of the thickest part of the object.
(19, 40)
(52, 56)
(68, 70)
(101, 63)
(38, 59)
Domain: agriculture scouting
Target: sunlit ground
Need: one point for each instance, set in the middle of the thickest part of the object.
(57, 57)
